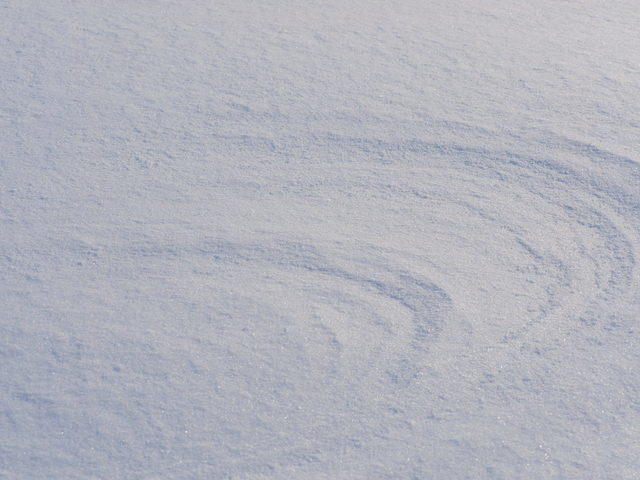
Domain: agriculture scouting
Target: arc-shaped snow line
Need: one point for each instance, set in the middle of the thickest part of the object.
(426, 301)
(402, 347)
(602, 206)
(603, 211)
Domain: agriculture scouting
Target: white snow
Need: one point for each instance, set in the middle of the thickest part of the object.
(315, 239)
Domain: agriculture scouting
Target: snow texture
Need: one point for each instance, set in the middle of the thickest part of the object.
(315, 239)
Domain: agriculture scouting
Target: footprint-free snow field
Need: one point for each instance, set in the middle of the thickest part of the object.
(315, 240)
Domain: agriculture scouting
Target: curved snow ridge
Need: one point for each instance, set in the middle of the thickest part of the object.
(587, 230)
(578, 225)
(355, 313)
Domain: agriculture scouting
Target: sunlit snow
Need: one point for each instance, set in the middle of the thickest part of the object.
(314, 240)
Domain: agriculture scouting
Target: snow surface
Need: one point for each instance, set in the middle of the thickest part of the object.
(319, 240)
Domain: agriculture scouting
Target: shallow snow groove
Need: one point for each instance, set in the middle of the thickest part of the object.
(319, 240)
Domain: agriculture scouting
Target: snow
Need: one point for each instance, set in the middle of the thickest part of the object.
(319, 240)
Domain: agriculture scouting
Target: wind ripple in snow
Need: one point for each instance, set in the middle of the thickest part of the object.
(350, 240)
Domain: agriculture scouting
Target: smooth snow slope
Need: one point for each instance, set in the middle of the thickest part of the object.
(358, 239)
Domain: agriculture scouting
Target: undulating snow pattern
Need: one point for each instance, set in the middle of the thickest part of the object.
(319, 240)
